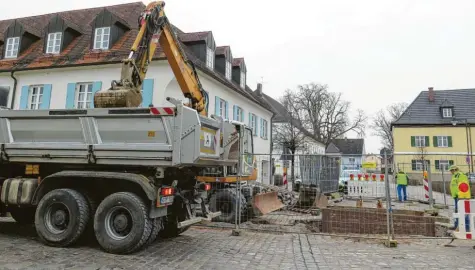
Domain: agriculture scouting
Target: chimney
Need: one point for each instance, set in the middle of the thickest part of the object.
(431, 94)
(259, 89)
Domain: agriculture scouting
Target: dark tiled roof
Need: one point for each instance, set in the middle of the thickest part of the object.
(78, 52)
(346, 146)
(221, 50)
(237, 61)
(195, 36)
(423, 112)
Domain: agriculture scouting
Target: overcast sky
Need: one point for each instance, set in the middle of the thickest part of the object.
(374, 52)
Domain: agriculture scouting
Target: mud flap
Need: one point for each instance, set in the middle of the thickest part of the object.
(265, 203)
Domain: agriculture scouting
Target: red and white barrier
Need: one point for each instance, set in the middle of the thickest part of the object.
(366, 186)
(426, 186)
(465, 208)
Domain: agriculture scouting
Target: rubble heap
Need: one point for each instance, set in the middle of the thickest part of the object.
(287, 197)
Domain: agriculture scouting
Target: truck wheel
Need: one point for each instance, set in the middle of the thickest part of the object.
(156, 228)
(23, 215)
(61, 217)
(225, 200)
(121, 223)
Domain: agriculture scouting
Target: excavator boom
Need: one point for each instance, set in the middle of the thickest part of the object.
(154, 29)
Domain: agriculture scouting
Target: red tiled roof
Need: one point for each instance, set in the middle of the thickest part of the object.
(79, 51)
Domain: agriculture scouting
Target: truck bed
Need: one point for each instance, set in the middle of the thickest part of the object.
(164, 136)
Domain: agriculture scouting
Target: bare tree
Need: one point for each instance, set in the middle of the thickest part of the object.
(289, 135)
(323, 115)
(381, 123)
(422, 157)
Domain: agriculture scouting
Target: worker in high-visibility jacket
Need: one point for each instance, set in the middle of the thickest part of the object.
(460, 190)
(402, 180)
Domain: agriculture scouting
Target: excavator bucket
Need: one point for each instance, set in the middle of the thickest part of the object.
(265, 203)
(119, 97)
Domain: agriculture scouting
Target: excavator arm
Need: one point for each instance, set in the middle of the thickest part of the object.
(154, 29)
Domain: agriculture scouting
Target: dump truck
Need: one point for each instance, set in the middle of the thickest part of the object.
(122, 172)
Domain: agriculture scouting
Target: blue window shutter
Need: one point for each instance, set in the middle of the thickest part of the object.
(250, 121)
(24, 97)
(262, 127)
(96, 86)
(147, 95)
(46, 96)
(226, 110)
(235, 113)
(216, 106)
(256, 128)
(242, 115)
(71, 96)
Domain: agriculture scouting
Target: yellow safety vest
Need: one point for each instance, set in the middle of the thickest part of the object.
(402, 179)
(460, 186)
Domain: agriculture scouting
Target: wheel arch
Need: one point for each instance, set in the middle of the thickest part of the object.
(116, 181)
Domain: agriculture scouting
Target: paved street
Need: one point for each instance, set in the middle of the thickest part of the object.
(205, 248)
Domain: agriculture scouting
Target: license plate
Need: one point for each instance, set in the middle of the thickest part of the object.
(166, 200)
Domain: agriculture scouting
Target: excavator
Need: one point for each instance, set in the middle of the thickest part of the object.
(155, 29)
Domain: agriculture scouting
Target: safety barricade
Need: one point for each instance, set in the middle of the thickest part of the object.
(466, 219)
(366, 186)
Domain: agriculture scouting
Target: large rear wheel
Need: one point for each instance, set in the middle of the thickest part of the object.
(229, 202)
(61, 217)
(121, 223)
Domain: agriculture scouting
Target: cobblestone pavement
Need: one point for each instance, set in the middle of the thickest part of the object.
(206, 248)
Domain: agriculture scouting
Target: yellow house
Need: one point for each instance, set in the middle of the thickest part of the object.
(435, 132)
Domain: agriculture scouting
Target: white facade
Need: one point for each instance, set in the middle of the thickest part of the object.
(164, 85)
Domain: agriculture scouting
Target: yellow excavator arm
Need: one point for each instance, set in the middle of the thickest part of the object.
(154, 29)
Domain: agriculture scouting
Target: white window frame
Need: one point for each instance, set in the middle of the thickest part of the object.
(264, 129)
(419, 165)
(254, 124)
(102, 39)
(352, 160)
(222, 108)
(35, 96)
(243, 80)
(445, 163)
(12, 46)
(420, 141)
(228, 70)
(239, 114)
(442, 141)
(447, 112)
(54, 43)
(210, 58)
(86, 100)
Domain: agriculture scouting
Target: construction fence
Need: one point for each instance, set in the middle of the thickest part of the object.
(349, 195)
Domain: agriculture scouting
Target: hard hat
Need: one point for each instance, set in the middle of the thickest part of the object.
(453, 168)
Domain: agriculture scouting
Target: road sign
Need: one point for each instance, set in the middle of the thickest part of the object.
(369, 165)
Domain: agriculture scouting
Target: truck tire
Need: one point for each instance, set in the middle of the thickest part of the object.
(225, 200)
(23, 216)
(156, 228)
(121, 223)
(88, 234)
(61, 217)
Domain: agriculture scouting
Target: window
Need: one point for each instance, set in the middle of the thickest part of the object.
(209, 58)
(243, 80)
(417, 165)
(447, 112)
(264, 129)
(222, 108)
(11, 50)
(54, 43)
(83, 95)
(228, 70)
(253, 122)
(443, 165)
(442, 141)
(420, 141)
(4, 92)
(352, 160)
(101, 40)
(35, 97)
(238, 115)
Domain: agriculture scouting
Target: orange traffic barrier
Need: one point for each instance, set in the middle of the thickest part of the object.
(352, 177)
(374, 177)
(366, 177)
(381, 177)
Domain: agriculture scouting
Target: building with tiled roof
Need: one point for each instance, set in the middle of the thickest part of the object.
(59, 60)
(436, 130)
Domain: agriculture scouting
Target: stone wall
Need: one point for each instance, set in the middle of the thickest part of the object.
(374, 221)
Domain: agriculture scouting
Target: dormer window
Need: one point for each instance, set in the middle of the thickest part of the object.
(243, 80)
(11, 50)
(210, 58)
(101, 38)
(228, 70)
(447, 112)
(54, 43)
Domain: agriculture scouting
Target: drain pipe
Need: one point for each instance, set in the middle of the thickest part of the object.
(15, 81)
